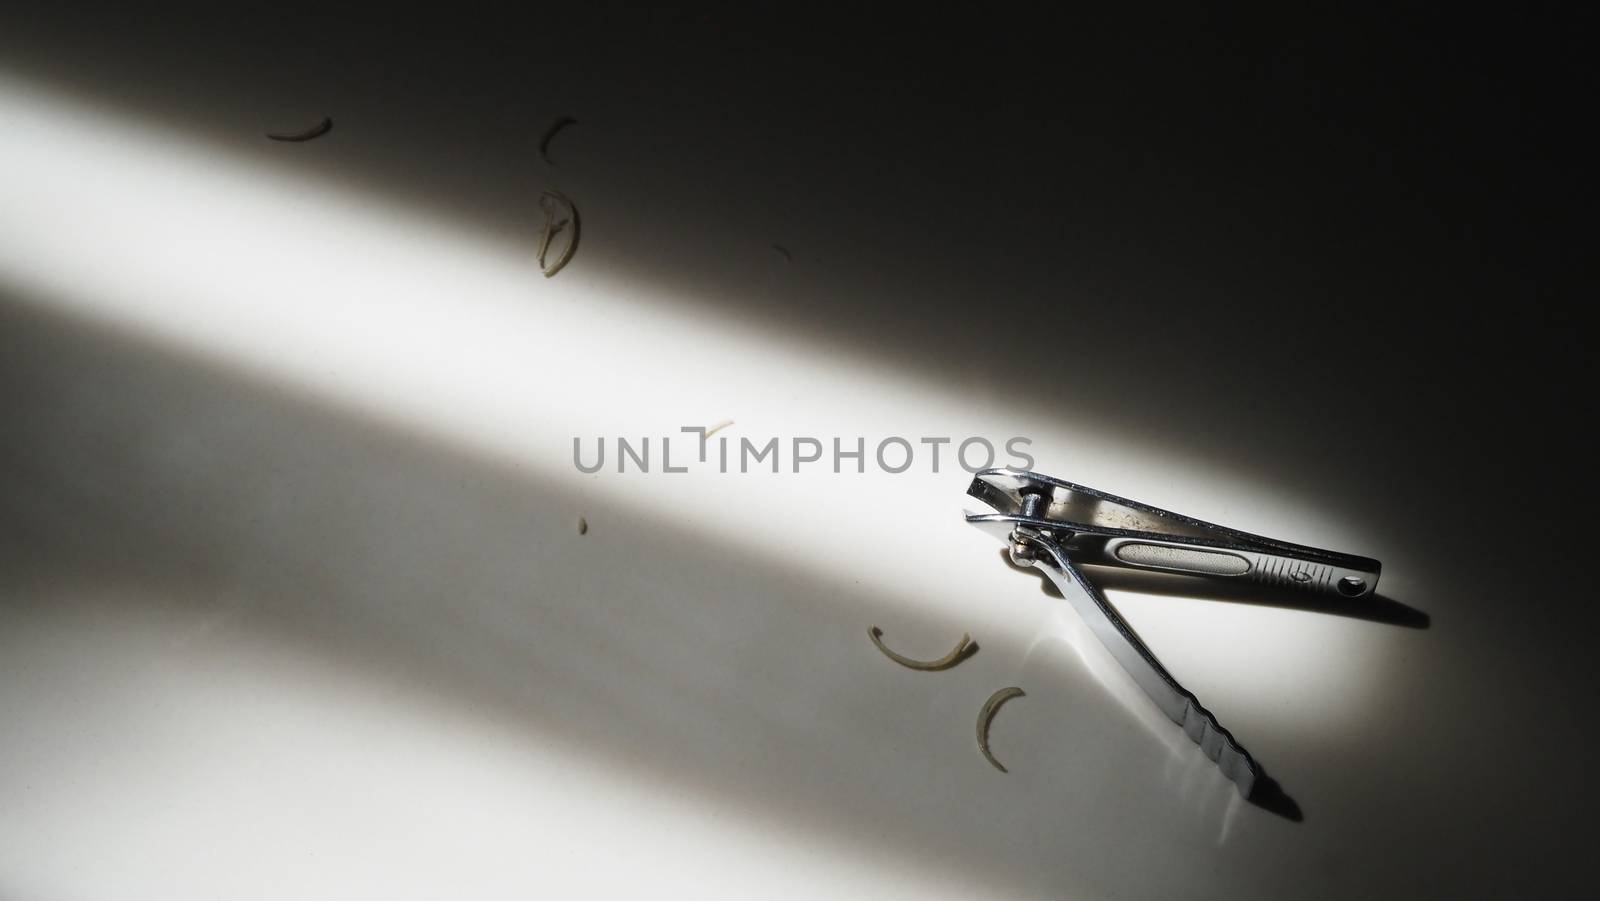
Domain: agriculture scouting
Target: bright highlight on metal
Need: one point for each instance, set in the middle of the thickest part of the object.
(1055, 526)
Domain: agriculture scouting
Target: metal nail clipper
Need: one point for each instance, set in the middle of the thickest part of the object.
(1057, 526)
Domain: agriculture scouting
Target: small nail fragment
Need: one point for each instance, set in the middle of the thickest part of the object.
(552, 202)
(549, 135)
(315, 131)
(965, 648)
(986, 714)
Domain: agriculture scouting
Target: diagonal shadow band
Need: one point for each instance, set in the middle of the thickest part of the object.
(456, 578)
(1203, 243)
(1078, 191)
